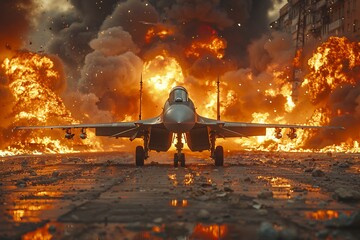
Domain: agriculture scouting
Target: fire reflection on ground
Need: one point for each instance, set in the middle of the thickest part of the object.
(324, 214)
(46, 232)
(213, 231)
(179, 203)
(281, 186)
(31, 212)
(172, 177)
(188, 179)
(57, 230)
(48, 194)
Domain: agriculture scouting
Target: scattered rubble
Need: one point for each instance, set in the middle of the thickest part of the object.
(265, 194)
(345, 221)
(346, 195)
(203, 214)
(317, 173)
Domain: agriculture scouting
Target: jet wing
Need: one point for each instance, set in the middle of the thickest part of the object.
(244, 129)
(132, 130)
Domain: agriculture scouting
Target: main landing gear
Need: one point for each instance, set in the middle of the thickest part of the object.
(179, 156)
(216, 153)
(141, 152)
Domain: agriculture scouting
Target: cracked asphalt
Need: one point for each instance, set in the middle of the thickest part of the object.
(256, 195)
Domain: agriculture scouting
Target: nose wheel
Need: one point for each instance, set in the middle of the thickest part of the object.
(179, 156)
(177, 160)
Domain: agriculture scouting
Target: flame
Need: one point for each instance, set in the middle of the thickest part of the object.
(162, 73)
(34, 81)
(331, 66)
(159, 31)
(214, 45)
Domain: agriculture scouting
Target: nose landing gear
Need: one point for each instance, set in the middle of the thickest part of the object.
(179, 156)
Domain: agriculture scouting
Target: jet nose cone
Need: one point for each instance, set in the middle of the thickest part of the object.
(179, 118)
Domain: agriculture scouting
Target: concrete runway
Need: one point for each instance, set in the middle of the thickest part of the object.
(256, 195)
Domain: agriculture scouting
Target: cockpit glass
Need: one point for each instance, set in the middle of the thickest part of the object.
(179, 95)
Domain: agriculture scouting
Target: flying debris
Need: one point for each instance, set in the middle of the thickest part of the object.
(148, 23)
(178, 118)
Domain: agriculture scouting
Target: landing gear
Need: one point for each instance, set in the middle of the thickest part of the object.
(142, 153)
(139, 156)
(216, 153)
(219, 156)
(177, 160)
(179, 156)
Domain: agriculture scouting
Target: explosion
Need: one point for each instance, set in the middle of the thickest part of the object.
(205, 42)
(334, 64)
(158, 31)
(34, 82)
(214, 45)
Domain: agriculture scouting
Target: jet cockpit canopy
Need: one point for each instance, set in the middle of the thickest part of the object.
(178, 94)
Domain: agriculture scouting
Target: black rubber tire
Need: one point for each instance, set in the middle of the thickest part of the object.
(139, 156)
(176, 160)
(219, 156)
(182, 160)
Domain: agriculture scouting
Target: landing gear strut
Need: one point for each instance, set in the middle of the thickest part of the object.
(179, 156)
(142, 153)
(216, 153)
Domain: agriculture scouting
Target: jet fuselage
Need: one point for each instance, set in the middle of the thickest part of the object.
(179, 115)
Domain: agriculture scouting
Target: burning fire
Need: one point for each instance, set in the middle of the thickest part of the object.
(34, 82)
(36, 85)
(159, 31)
(214, 45)
(161, 74)
(332, 65)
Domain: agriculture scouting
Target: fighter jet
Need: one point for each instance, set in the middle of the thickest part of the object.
(179, 118)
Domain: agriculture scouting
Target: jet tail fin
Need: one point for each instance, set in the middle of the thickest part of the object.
(218, 99)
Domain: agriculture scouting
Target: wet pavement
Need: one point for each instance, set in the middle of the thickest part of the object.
(255, 195)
